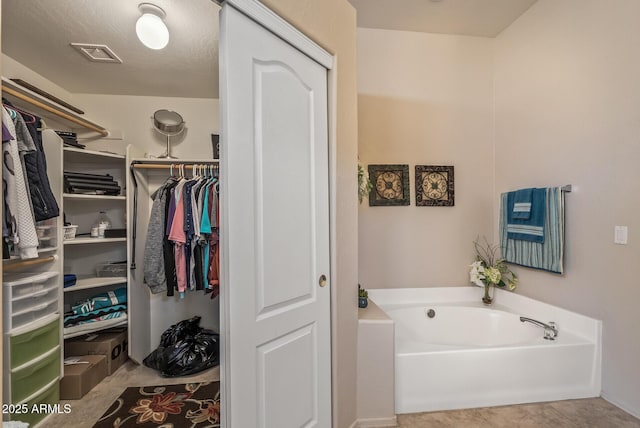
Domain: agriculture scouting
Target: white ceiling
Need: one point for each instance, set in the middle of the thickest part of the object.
(467, 17)
(38, 34)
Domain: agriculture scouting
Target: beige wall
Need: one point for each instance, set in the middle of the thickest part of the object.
(425, 99)
(567, 96)
(332, 24)
(131, 117)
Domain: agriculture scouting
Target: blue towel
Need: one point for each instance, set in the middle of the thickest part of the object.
(547, 255)
(522, 204)
(531, 229)
(99, 301)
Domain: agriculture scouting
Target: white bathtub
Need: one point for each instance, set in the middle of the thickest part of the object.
(471, 355)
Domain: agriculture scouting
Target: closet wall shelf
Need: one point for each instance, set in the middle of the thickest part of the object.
(93, 197)
(93, 153)
(80, 241)
(94, 330)
(44, 107)
(96, 282)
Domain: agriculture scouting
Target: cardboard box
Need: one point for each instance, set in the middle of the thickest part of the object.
(81, 377)
(113, 344)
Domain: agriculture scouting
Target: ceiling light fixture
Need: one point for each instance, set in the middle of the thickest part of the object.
(150, 27)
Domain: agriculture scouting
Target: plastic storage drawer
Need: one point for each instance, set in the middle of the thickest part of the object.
(29, 297)
(31, 378)
(26, 284)
(49, 395)
(31, 344)
(34, 313)
(28, 302)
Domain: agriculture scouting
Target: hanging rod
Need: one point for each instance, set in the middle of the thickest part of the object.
(28, 262)
(23, 94)
(566, 188)
(190, 165)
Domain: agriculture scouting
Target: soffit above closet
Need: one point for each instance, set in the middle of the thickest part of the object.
(38, 34)
(486, 18)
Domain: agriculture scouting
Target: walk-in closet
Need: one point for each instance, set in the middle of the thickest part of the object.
(105, 157)
(189, 254)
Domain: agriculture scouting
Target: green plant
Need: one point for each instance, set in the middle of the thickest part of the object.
(363, 293)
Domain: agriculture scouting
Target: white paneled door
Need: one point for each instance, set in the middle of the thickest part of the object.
(275, 231)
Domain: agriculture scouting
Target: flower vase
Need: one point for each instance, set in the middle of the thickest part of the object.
(487, 299)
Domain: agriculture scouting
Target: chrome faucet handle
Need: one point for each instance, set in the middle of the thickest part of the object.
(551, 331)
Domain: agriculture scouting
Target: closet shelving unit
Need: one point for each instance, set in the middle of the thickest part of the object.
(33, 295)
(32, 304)
(83, 253)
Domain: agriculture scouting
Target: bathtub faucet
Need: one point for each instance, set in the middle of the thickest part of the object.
(550, 330)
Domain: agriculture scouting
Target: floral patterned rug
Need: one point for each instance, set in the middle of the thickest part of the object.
(191, 405)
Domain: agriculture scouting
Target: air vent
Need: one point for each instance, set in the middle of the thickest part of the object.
(97, 53)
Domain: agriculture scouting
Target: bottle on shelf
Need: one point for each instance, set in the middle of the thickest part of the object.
(104, 223)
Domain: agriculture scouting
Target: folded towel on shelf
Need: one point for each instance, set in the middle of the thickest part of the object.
(546, 255)
(531, 229)
(99, 301)
(93, 316)
(522, 204)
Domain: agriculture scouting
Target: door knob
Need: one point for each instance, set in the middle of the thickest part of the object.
(323, 280)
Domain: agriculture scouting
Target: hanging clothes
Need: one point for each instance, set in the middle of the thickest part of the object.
(29, 138)
(155, 275)
(43, 200)
(181, 251)
(214, 265)
(177, 235)
(19, 217)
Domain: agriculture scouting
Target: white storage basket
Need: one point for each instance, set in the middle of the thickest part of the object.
(70, 232)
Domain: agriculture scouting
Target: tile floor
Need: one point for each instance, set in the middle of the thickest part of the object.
(586, 413)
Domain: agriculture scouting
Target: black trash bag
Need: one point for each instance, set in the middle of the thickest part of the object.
(185, 348)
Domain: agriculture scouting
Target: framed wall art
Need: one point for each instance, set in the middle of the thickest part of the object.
(390, 185)
(434, 186)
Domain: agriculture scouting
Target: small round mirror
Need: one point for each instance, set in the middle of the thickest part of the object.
(168, 123)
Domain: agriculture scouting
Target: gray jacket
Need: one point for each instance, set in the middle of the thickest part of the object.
(154, 274)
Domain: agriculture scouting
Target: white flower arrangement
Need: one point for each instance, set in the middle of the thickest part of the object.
(364, 184)
(487, 270)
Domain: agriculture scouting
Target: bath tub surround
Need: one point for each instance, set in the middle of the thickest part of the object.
(453, 352)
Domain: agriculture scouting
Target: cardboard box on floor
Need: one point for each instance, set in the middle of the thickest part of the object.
(112, 343)
(81, 376)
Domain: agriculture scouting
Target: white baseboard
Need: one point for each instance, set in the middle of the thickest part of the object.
(633, 412)
(376, 423)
